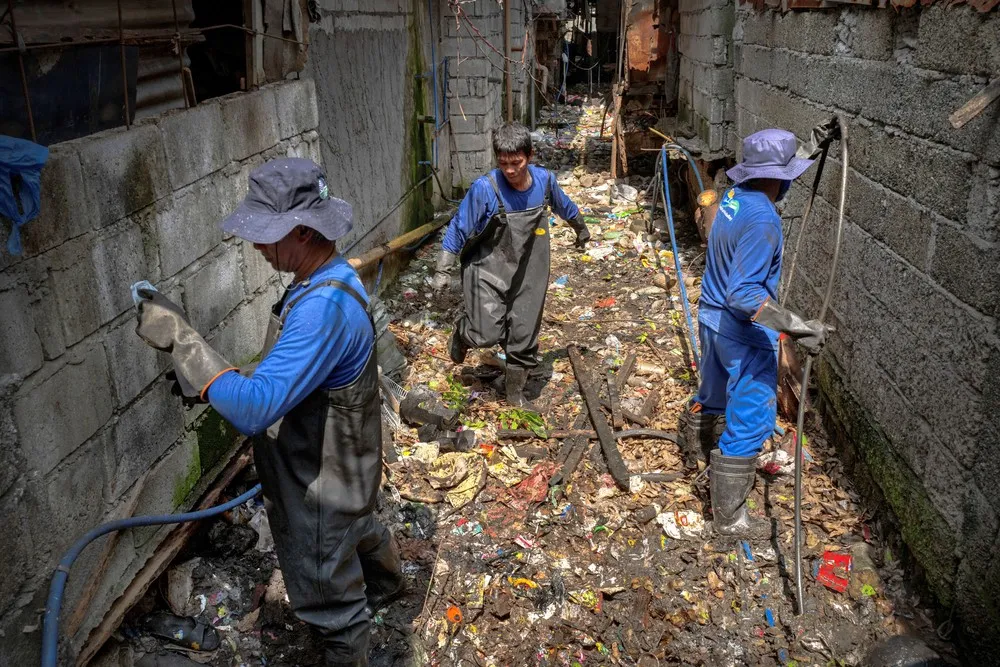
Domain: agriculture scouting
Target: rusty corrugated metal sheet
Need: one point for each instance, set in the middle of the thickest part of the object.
(158, 88)
(649, 40)
(982, 6)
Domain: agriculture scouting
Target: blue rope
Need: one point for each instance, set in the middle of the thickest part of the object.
(677, 261)
(697, 174)
(50, 627)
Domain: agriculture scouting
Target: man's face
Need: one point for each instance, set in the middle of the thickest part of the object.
(514, 167)
(283, 255)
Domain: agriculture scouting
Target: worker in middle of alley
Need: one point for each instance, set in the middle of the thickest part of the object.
(500, 236)
(739, 323)
(318, 375)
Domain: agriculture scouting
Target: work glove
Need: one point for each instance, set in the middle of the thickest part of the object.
(822, 135)
(442, 273)
(582, 233)
(809, 334)
(177, 389)
(163, 325)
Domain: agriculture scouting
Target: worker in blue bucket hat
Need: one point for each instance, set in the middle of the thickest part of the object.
(739, 323)
(318, 375)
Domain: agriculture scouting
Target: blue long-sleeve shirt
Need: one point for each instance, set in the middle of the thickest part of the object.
(325, 343)
(742, 268)
(480, 204)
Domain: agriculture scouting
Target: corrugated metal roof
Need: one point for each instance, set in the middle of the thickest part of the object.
(159, 85)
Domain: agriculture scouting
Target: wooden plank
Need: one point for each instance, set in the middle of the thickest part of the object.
(976, 105)
(615, 401)
(616, 466)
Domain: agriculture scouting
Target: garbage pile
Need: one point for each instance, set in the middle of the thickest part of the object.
(520, 545)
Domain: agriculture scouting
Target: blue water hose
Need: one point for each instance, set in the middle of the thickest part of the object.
(697, 175)
(50, 625)
(677, 260)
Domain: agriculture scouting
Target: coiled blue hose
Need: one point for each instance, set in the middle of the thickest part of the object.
(50, 625)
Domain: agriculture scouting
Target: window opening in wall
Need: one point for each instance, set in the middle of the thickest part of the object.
(219, 62)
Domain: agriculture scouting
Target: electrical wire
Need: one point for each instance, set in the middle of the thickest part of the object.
(800, 422)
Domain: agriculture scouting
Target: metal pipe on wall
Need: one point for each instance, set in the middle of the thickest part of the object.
(506, 63)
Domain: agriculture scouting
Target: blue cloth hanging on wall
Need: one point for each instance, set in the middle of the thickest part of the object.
(25, 159)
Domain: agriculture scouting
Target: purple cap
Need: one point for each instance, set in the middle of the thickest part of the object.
(286, 193)
(769, 154)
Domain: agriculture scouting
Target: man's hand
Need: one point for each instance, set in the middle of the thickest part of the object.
(159, 320)
(816, 338)
(809, 334)
(821, 136)
(442, 273)
(582, 237)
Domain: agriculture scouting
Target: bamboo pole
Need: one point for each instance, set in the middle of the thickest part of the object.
(398, 243)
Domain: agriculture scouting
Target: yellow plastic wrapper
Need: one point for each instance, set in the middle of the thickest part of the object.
(462, 473)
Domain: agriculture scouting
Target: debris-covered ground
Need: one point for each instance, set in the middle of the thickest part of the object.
(508, 566)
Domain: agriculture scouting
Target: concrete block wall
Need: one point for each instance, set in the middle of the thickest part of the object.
(88, 426)
(368, 60)
(476, 82)
(910, 378)
(705, 88)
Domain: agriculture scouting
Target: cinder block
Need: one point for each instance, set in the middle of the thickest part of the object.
(962, 41)
(242, 337)
(63, 211)
(475, 106)
(469, 143)
(945, 482)
(134, 365)
(142, 434)
(75, 492)
(871, 34)
(468, 67)
(124, 171)
(895, 220)
(56, 415)
(214, 290)
(250, 121)
(966, 266)
(90, 278)
(119, 261)
(18, 558)
(296, 105)
(256, 270)
(170, 481)
(892, 160)
(467, 125)
(983, 218)
(48, 322)
(195, 142)
(809, 32)
(190, 228)
(20, 347)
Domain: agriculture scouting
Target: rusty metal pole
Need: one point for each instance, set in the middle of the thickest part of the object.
(180, 56)
(506, 60)
(24, 76)
(121, 50)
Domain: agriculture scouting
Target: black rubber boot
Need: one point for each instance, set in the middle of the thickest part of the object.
(348, 647)
(732, 479)
(516, 378)
(697, 435)
(456, 348)
(384, 581)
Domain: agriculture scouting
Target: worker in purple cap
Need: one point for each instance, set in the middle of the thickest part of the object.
(318, 376)
(739, 322)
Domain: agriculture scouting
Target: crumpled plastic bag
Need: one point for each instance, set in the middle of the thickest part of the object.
(462, 473)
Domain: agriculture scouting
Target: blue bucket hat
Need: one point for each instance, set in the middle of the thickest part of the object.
(769, 154)
(286, 193)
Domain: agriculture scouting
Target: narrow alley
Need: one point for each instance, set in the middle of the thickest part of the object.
(499, 333)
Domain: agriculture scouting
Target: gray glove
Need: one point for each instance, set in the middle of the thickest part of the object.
(163, 325)
(442, 273)
(582, 233)
(822, 135)
(809, 334)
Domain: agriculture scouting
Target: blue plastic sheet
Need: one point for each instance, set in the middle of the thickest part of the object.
(25, 159)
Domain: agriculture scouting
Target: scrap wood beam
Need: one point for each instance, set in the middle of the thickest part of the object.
(577, 440)
(976, 105)
(616, 466)
(559, 434)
